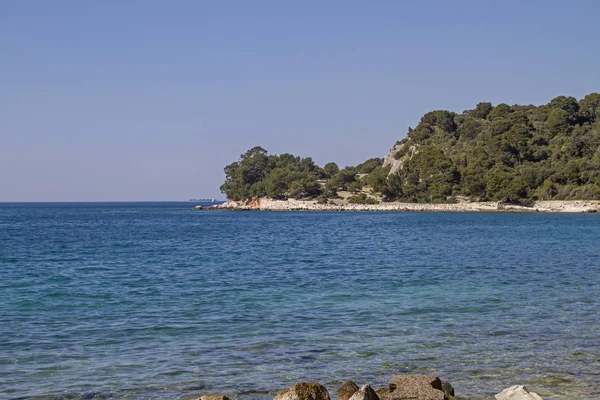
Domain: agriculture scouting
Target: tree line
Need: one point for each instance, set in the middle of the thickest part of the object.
(283, 176)
(503, 153)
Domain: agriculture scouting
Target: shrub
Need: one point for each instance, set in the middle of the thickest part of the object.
(362, 199)
(322, 200)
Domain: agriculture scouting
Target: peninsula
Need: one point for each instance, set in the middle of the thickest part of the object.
(490, 158)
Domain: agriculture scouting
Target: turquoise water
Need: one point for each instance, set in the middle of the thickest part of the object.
(157, 300)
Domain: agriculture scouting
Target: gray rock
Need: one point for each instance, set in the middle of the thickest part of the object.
(214, 397)
(366, 392)
(304, 391)
(517, 392)
(447, 388)
(383, 393)
(394, 163)
(411, 387)
(347, 389)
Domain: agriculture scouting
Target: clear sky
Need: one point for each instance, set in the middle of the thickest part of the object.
(149, 100)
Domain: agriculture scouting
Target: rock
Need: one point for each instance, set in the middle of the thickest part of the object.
(230, 205)
(390, 158)
(366, 392)
(395, 163)
(383, 393)
(199, 208)
(214, 397)
(347, 389)
(304, 391)
(517, 392)
(415, 380)
(447, 388)
(411, 387)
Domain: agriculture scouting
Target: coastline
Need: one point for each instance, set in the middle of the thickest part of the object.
(551, 206)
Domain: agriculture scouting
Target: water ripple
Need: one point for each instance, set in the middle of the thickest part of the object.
(142, 300)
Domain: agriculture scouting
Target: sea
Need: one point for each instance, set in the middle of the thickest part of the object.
(160, 301)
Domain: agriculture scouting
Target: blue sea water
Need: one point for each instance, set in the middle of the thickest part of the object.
(157, 300)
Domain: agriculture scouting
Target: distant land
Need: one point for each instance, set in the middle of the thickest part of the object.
(204, 200)
(517, 154)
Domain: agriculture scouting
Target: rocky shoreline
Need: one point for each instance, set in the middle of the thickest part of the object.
(400, 387)
(266, 204)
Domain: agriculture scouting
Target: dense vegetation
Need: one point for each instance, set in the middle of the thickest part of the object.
(258, 174)
(505, 153)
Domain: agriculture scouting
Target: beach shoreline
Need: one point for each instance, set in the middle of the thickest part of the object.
(551, 206)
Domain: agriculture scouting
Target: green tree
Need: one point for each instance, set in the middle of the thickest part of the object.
(355, 186)
(500, 111)
(498, 181)
(377, 179)
(256, 162)
(277, 183)
(442, 119)
(589, 108)
(429, 176)
(470, 128)
(558, 121)
(362, 199)
(330, 169)
(342, 179)
(368, 166)
(473, 182)
(568, 105)
(482, 110)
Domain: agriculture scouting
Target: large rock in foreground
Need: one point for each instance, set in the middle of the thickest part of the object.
(366, 392)
(347, 389)
(416, 387)
(447, 388)
(517, 392)
(214, 397)
(383, 393)
(304, 391)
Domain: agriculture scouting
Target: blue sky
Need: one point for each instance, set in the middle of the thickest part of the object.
(149, 100)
